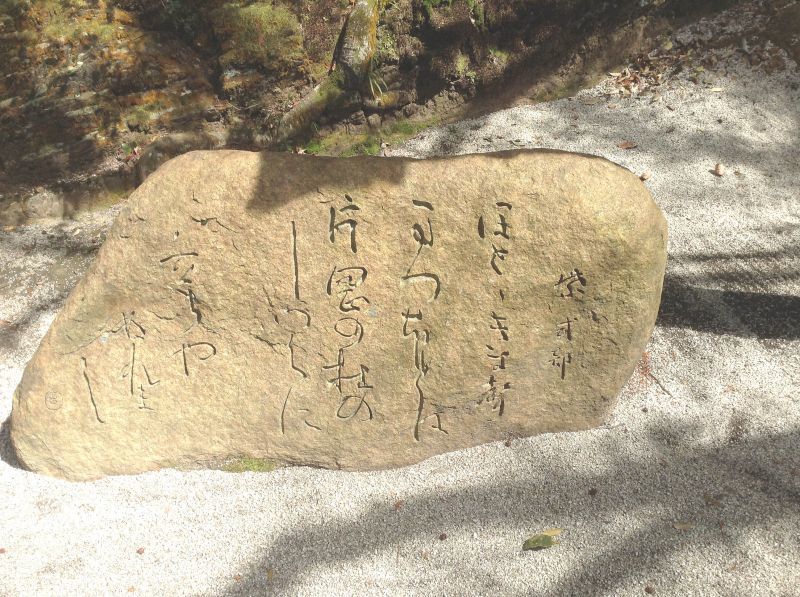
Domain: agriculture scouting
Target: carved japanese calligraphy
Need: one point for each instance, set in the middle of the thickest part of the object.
(339, 219)
(355, 314)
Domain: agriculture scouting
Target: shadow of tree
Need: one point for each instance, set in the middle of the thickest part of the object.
(729, 312)
(678, 488)
(7, 453)
(54, 261)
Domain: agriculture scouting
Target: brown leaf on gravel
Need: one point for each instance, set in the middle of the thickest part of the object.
(270, 573)
(237, 577)
(9, 228)
(398, 505)
(140, 551)
(627, 145)
(649, 590)
(683, 526)
(2, 550)
(593, 491)
(443, 536)
(719, 170)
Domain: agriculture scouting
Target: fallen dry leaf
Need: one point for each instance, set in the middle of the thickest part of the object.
(719, 170)
(237, 577)
(398, 505)
(683, 526)
(649, 590)
(646, 175)
(270, 573)
(9, 228)
(627, 145)
(443, 536)
(131, 589)
(140, 551)
(2, 550)
(717, 90)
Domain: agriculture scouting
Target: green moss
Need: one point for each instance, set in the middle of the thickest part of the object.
(60, 20)
(387, 46)
(258, 34)
(249, 464)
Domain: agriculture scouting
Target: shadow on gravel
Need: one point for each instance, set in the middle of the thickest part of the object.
(746, 314)
(7, 453)
(722, 491)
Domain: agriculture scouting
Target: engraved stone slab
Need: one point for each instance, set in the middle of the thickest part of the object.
(347, 313)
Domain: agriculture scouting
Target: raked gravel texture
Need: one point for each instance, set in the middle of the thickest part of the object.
(705, 436)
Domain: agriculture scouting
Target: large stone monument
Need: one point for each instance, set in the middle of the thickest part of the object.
(347, 313)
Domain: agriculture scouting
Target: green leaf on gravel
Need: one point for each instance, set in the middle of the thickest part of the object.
(543, 540)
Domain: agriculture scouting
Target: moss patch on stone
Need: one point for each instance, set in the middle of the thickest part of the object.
(249, 464)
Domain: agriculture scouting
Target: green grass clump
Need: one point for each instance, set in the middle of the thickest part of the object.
(260, 35)
(249, 464)
(371, 145)
(314, 146)
(501, 56)
(347, 145)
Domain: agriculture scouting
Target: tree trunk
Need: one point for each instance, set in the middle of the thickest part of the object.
(347, 82)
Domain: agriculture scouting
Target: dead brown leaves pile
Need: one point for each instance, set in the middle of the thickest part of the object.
(637, 78)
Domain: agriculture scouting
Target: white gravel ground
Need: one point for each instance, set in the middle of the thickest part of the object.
(705, 437)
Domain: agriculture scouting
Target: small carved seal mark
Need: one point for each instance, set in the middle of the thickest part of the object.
(53, 401)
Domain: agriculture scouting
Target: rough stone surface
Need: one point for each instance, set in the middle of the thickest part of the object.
(357, 314)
